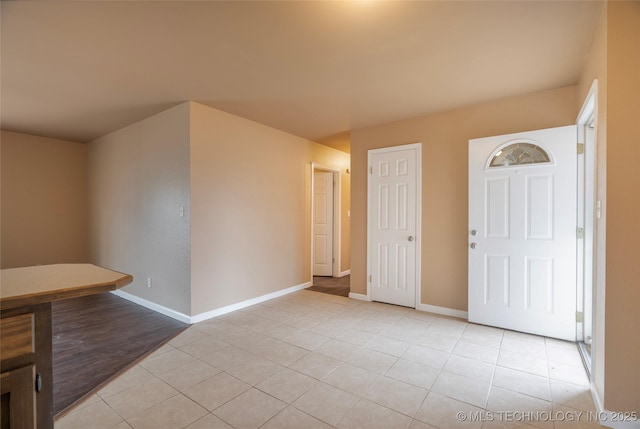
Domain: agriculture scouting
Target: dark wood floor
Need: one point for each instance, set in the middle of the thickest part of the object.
(332, 285)
(97, 337)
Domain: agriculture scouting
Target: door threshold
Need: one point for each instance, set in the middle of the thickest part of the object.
(585, 354)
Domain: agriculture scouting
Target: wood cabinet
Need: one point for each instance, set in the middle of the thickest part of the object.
(19, 398)
(27, 382)
(26, 376)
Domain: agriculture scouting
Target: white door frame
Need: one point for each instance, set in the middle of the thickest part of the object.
(335, 266)
(418, 147)
(587, 216)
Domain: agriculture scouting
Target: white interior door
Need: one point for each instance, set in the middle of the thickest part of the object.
(522, 232)
(322, 223)
(393, 234)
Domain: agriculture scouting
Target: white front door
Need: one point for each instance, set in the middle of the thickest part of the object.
(322, 223)
(522, 232)
(394, 236)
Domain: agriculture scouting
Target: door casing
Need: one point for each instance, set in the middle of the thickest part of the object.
(336, 219)
(587, 219)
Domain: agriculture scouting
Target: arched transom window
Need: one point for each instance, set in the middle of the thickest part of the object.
(520, 153)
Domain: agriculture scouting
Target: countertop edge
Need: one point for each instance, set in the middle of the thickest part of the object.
(8, 303)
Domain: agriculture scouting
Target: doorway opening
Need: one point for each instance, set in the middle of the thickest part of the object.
(325, 222)
(340, 286)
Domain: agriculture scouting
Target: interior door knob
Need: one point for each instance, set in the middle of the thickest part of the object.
(473, 245)
(410, 238)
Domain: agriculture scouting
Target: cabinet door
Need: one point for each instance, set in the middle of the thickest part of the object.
(19, 398)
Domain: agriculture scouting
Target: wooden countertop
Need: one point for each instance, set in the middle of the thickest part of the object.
(45, 283)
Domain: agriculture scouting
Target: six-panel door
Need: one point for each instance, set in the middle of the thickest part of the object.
(522, 232)
(393, 235)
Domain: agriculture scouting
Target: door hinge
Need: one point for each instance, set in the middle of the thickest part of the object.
(333, 260)
(579, 232)
(371, 169)
(579, 316)
(369, 278)
(580, 148)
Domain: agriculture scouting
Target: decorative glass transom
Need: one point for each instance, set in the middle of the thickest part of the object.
(519, 154)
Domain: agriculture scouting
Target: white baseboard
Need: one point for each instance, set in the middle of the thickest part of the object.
(422, 307)
(595, 395)
(153, 306)
(253, 301)
(209, 314)
(344, 273)
(359, 296)
(610, 419)
(443, 310)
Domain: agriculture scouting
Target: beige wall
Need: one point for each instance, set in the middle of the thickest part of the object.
(596, 68)
(444, 138)
(250, 208)
(622, 313)
(615, 61)
(44, 201)
(139, 179)
(245, 189)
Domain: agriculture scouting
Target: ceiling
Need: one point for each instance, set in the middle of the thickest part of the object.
(316, 69)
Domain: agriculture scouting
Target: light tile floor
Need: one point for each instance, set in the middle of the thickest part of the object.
(310, 360)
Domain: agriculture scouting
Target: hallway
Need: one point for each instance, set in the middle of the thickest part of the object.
(332, 285)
